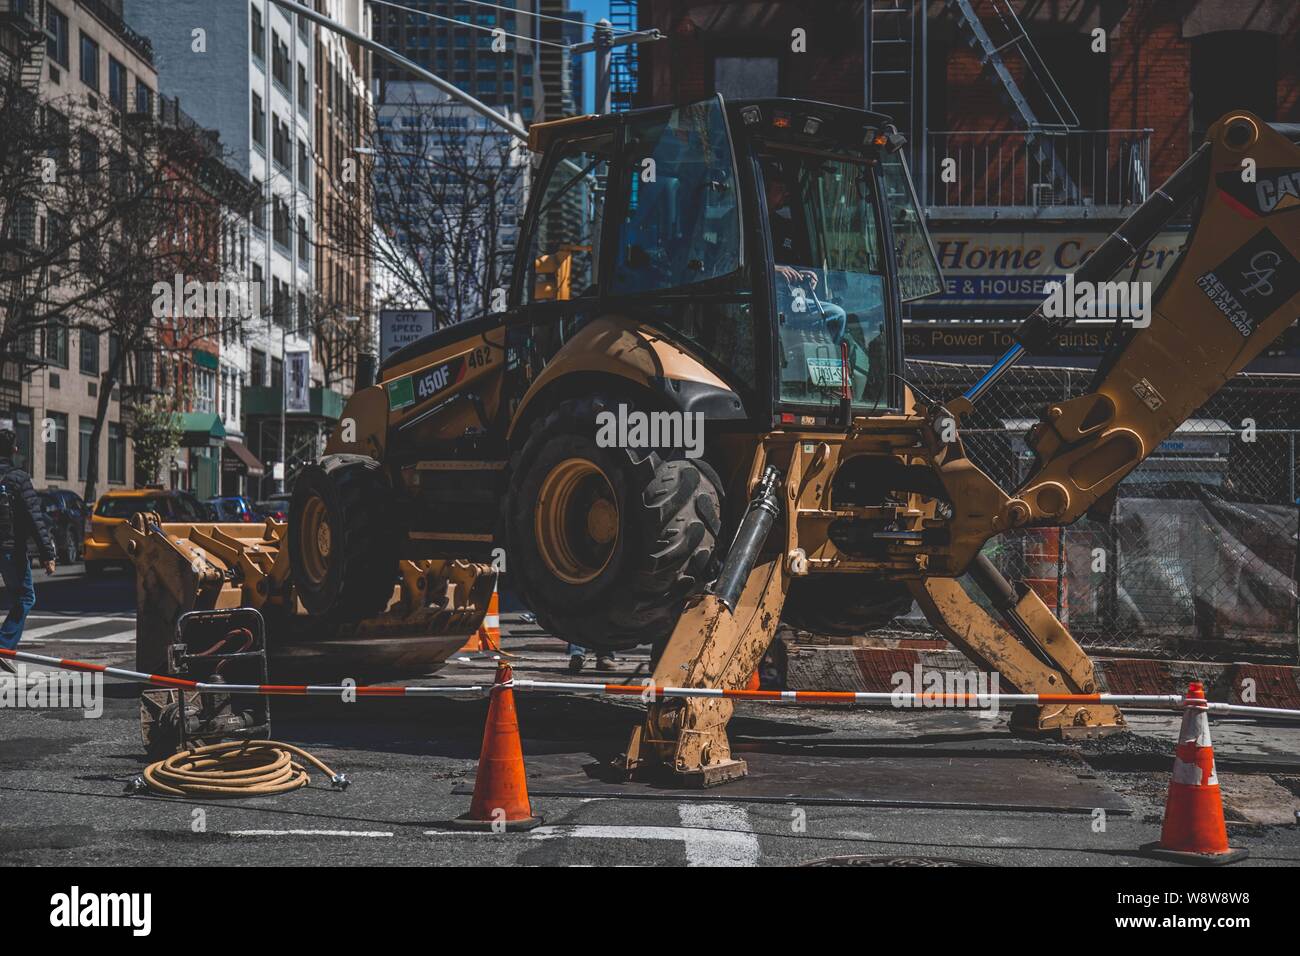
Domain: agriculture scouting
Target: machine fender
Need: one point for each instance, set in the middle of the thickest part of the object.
(612, 348)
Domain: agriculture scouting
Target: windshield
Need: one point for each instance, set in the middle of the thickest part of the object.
(829, 269)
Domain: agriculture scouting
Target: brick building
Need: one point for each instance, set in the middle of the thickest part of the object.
(1052, 140)
(96, 73)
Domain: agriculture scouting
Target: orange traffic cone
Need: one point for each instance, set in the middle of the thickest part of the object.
(488, 638)
(1193, 830)
(500, 800)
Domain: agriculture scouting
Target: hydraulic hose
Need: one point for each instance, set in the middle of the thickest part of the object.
(239, 768)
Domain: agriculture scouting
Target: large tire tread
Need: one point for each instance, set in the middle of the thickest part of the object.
(360, 584)
(671, 540)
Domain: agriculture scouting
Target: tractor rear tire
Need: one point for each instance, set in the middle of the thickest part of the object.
(605, 545)
(842, 605)
(342, 549)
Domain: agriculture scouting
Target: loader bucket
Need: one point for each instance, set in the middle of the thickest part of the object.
(435, 607)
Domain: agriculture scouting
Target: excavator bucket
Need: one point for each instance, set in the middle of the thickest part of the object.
(435, 605)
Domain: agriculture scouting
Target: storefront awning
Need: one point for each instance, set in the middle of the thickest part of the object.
(240, 459)
(201, 429)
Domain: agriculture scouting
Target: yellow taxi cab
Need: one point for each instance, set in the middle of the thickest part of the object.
(115, 507)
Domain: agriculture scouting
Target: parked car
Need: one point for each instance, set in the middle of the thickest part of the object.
(231, 508)
(276, 506)
(66, 514)
(114, 507)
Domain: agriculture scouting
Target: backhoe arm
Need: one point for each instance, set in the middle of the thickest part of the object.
(1233, 291)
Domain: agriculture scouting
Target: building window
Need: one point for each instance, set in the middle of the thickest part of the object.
(143, 98)
(303, 239)
(56, 44)
(280, 143)
(117, 83)
(88, 153)
(90, 62)
(741, 76)
(304, 88)
(206, 390)
(280, 303)
(259, 220)
(260, 292)
(116, 454)
(85, 429)
(89, 352)
(280, 61)
(259, 121)
(257, 367)
(280, 226)
(56, 343)
(277, 374)
(257, 34)
(56, 451)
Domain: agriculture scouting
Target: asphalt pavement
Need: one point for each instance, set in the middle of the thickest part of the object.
(825, 783)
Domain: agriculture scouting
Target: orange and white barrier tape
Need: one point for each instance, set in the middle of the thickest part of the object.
(650, 692)
(267, 690)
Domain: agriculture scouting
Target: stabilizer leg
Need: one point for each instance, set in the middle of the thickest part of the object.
(710, 647)
(1044, 659)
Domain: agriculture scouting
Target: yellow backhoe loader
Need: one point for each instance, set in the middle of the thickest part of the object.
(692, 423)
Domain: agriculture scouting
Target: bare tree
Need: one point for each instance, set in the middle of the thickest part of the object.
(339, 337)
(446, 190)
(97, 208)
(158, 271)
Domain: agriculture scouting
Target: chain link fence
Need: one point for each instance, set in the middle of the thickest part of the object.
(1198, 559)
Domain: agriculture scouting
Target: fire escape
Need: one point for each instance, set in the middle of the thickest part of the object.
(22, 47)
(623, 60)
(1047, 162)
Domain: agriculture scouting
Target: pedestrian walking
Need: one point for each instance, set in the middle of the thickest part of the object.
(21, 521)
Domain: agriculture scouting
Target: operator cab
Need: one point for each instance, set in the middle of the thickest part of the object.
(774, 239)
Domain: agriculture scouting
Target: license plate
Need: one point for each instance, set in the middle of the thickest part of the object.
(825, 373)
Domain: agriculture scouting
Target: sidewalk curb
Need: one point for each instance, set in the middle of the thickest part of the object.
(807, 666)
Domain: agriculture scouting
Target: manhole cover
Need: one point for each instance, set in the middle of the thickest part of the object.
(891, 861)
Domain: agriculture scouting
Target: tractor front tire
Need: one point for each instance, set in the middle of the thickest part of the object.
(604, 544)
(342, 549)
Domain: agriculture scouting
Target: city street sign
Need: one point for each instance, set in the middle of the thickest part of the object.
(399, 328)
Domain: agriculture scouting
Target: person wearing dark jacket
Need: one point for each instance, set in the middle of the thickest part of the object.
(27, 521)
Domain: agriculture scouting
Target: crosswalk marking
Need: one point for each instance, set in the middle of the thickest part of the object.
(121, 637)
(68, 624)
(38, 616)
(711, 835)
(328, 833)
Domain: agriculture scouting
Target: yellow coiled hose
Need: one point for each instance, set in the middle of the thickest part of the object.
(240, 768)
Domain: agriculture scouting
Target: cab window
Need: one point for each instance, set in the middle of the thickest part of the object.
(829, 274)
(918, 268)
(682, 222)
(563, 251)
